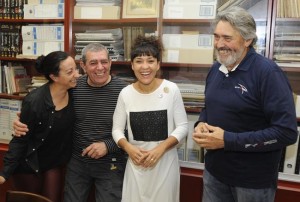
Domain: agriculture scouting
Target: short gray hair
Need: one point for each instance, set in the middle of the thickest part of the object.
(240, 20)
(93, 47)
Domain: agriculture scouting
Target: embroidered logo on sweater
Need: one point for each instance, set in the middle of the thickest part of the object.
(242, 88)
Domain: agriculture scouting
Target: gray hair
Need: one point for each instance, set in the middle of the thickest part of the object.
(93, 47)
(240, 20)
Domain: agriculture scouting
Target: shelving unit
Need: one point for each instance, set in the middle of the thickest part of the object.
(191, 178)
(288, 29)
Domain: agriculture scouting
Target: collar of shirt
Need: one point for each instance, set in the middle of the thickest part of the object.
(223, 69)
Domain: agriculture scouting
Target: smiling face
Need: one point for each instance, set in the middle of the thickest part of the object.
(68, 73)
(97, 67)
(145, 69)
(230, 46)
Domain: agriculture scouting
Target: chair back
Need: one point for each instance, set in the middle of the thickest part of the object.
(20, 196)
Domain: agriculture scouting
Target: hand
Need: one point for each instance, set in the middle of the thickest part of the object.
(150, 158)
(95, 150)
(154, 155)
(20, 129)
(2, 180)
(213, 139)
(201, 128)
(136, 154)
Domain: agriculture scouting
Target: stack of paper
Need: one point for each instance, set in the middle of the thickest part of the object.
(111, 38)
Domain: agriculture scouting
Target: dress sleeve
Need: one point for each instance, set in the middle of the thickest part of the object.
(180, 117)
(119, 119)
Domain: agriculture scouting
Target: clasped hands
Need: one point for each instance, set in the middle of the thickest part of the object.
(143, 157)
(208, 136)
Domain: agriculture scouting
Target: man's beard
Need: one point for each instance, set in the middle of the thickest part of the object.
(230, 59)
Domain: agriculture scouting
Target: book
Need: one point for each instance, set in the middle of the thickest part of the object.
(4, 120)
(14, 108)
(43, 32)
(36, 48)
(281, 162)
(22, 81)
(290, 158)
(194, 153)
(1, 88)
(181, 150)
(297, 164)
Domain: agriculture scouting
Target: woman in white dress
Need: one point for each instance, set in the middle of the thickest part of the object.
(152, 111)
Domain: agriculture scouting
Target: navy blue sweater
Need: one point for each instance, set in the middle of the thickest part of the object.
(255, 107)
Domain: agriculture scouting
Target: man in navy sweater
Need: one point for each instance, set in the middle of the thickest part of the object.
(249, 116)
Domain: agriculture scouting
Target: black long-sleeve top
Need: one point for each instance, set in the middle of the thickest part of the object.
(49, 140)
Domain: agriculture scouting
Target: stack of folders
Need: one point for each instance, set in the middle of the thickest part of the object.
(41, 40)
(111, 38)
(246, 4)
(192, 94)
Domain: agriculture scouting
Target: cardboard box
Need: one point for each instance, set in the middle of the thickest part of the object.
(190, 10)
(97, 12)
(189, 56)
(188, 41)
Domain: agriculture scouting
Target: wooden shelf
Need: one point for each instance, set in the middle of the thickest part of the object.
(16, 59)
(186, 21)
(39, 21)
(290, 69)
(9, 96)
(206, 66)
(119, 22)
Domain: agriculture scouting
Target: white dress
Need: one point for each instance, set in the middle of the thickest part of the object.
(150, 119)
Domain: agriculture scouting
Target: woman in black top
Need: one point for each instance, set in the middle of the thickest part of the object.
(35, 160)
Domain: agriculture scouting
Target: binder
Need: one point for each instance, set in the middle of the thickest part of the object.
(44, 11)
(43, 32)
(35, 2)
(290, 158)
(14, 107)
(4, 120)
(30, 48)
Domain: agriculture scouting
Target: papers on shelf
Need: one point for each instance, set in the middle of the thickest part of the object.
(287, 57)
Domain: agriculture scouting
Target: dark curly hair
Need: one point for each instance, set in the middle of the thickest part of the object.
(150, 46)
